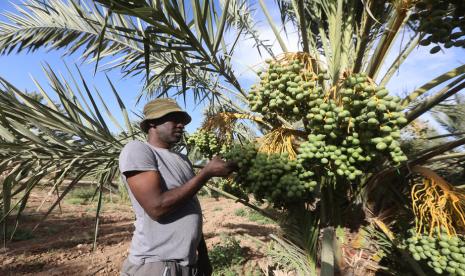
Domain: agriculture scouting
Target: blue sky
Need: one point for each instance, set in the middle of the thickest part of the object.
(18, 68)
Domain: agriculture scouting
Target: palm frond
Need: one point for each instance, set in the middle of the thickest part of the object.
(452, 74)
(291, 257)
(451, 89)
(450, 115)
(187, 39)
(79, 28)
(53, 143)
(73, 27)
(401, 57)
(398, 17)
(273, 26)
(302, 230)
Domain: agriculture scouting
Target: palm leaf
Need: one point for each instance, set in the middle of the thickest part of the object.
(168, 29)
(73, 26)
(69, 25)
(42, 140)
(398, 19)
(433, 83)
(451, 89)
(273, 26)
(409, 47)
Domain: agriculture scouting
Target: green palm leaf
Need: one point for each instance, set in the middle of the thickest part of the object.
(187, 41)
(77, 27)
(67, 25)
(40, 140)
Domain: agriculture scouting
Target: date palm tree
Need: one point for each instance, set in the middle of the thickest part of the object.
(187, 49)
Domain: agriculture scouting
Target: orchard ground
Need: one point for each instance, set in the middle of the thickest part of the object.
(62, 245)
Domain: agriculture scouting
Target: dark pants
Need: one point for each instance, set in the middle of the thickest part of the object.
(157, 269)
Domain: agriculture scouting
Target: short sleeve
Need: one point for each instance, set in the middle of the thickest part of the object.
(137, 156)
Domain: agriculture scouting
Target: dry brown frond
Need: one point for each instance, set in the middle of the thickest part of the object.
(223, 123)
(437, 204)
(280, 140)
(403, 6)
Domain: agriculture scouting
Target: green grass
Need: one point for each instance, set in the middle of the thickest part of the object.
(253, 216)
(92, 209)
(75, 201)
(81, 195)
(237, 270)
(217, 209)
(259, 218)
(229, 259)
(241, 212)
(230, 271)
(227, 256)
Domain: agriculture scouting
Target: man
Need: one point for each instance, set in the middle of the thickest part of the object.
(168, 237)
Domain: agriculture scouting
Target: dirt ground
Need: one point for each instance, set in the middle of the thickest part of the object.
(62, 245)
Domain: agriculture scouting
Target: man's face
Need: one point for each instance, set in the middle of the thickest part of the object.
(171, 127)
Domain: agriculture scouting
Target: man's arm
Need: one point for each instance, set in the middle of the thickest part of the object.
(147, 189)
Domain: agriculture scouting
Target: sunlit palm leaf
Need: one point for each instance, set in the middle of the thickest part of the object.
(449, 90)
(188, 39)
(47, 144)
(447, 76)
(450, 116)
(68, 25)
(86, 30)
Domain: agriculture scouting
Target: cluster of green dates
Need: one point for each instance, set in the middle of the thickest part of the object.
(330, 160)
(352, 128)
(442, 21)
(355, 130)
(285, 88)
(442, 253)
(375, 115)
(273, 177)
(206, 142)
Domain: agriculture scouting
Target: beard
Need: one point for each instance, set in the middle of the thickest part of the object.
(171, 139)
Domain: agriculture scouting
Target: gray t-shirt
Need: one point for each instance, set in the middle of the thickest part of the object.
(176, 235)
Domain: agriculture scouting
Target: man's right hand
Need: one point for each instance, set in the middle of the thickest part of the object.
(218, 167)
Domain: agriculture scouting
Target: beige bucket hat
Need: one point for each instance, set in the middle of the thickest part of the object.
(158, 108)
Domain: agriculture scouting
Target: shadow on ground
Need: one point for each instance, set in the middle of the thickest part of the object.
(58, 243)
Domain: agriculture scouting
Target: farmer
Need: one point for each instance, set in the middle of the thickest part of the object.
(168, 238)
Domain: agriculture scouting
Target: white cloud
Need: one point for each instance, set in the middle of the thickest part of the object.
(247, 59)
